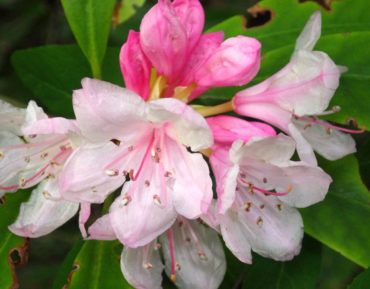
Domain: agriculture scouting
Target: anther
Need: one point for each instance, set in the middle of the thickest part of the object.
(178, 267)
(147, 266)
(259, 222)
(173, 278)
(22, 182)
(111, 172)
(44, 155)
(247, 206)
(202, 256)
(279, 207)
(1, 154)
(125, 201)
(157, 200)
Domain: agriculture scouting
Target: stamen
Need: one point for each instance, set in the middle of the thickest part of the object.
(289, 189)
(157, 200)
(171, 243)
(183, 92)
(213, 110)
(148, 266)
(314, 120)
(125, 201)
(112, 172)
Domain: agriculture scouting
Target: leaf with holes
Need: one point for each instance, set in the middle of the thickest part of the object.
(340, 220)
(13, 249)
(90, 21)
(93, 265)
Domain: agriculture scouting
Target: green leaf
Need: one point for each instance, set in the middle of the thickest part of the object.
(125, 9)
(362, 281)
(90, 21)
(13, 249)
(300, 273)
(53, 72)
(345, 34)
(234, 271)
(340, 220)
(95, 265)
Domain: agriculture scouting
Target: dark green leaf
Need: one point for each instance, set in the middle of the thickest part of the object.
(90, 21)
(340, 220)
(362, 281)
(95, 266)
(300, 273)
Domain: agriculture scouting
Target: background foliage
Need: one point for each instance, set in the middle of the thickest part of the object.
(42, 58)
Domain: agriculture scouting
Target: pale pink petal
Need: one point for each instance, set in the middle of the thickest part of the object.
(211, 218)
(187, 125)
(192, 187)
(309, 185)
(235, 236)
(142, 267)
(198, 252)
(11, 118)
(85, 212)
(272, 229)
(84, 177)
(148, 207)
(135, 66)
(105, 111)
(304, 148)
(164, 39)
(276, 150)
(311, 33)
(235, 62)
(101, 229)
(43, 213)
(225, 174)
(56, 125)
(330, 143)
(227, 129)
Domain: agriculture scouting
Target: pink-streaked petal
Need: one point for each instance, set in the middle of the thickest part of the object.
(225, 173)
(85, 212)
(227, 129)
(101, 229)
(311, 33)
(189, 127)
(202, 259)
(105, 111)
(235, 62)
(84, 177)
(149, 208)
(235, 236)
(142, 267)
(42, 214)
(56, 125)
(330, 143)
(304, 86)
(135, 66)
(164, 39)
(211, 218)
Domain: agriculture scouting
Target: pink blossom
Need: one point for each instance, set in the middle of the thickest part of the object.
(186, 63)
(142, 146)
(38, 161)
(193, 256)
(292, 99)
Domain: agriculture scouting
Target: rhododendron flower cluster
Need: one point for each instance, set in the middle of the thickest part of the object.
(143, 150)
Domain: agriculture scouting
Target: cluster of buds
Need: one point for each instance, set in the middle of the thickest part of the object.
(151, 143)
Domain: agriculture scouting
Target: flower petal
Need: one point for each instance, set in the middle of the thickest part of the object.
(202, 260)
(11, 118)
(148, 208)
(135, 66)
(84, 177)
(133, 263)
(311, 33)
(235, 62)
(43, 213)
(188, 125)
(56, 125)
(105, 111)
(101, 229)
(330, 143)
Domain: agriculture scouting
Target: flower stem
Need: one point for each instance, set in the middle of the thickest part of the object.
(217, 109)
